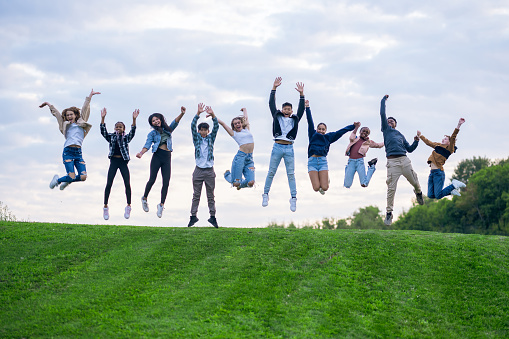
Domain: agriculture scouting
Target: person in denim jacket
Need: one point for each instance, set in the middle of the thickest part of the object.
(74, 126)
(243, 164)
(159, 140)
(119, 158)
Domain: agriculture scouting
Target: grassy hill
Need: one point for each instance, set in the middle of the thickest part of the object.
(59, 280)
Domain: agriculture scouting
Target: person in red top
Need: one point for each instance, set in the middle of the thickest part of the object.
(356, 151)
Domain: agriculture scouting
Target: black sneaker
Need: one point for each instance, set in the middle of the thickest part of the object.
(388, 219)
(372, 162)
(193, 220)
(213, 221)
(420, 200)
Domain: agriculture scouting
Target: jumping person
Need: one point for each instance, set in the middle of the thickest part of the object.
(319, 144)
(160, 141)
(204, 171)
(284, 129)
(436, 161)
(119, 158)
(243, 163)
(398, 163)
(74, 126)
(356, 151)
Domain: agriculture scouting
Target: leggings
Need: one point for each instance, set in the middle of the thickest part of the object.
(115, 164)
(161, 159)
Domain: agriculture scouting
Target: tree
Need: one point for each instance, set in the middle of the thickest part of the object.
(369, 217)
(467, 167)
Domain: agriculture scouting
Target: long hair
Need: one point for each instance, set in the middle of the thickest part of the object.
(242, 121)
(76, 111)
(163, 122)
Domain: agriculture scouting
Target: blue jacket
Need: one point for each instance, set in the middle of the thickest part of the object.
(395, 143)
(198, 139)
(319, 143)
(154, 138)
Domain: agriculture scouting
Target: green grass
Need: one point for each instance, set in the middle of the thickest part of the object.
(59, 280)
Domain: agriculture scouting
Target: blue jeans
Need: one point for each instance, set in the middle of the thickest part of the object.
(436, 181)
(242, 164)
(72, 157)
(317, 164)
(282, 152)
(357, 165)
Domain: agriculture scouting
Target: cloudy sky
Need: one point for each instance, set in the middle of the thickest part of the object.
(437, 60)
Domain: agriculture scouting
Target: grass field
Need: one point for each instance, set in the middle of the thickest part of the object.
(59, 280)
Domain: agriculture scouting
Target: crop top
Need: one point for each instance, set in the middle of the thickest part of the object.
(243, 137)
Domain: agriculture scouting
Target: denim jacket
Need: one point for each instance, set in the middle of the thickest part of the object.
(154, 138)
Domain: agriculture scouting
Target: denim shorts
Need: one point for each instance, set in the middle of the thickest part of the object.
(317, 164)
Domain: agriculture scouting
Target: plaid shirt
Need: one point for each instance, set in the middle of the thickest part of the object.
(198, 139)
(112, 139)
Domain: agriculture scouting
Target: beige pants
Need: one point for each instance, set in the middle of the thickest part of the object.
(395, 168)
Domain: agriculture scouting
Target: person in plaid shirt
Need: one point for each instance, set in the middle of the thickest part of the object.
(119, 157)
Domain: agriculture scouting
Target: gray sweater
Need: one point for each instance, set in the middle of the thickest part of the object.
(395, 143)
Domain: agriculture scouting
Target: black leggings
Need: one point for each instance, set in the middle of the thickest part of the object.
(121, 164)
(161, 159)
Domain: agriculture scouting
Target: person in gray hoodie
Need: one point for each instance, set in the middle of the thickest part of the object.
(398, 163)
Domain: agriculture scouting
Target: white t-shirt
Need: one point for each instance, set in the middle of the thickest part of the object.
(202, 161)
(286, 125)
(74, 135)
(243, 137)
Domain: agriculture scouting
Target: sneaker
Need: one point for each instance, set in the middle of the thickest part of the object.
(265, 201)
(106, 213)
(144, 204)
(293, 204)
(388, 219)
(458, 184)
(127, 212)
(419, 197)
(160, 210)
(456, 192)
(322, 192)
(54, 181)
(372, 162)
(213, 221)
(193, 220)
(64, 185)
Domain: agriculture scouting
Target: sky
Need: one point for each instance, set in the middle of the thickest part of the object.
(437, 60)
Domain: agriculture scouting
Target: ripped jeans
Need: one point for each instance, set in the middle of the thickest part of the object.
(72, 157)
(242, 164)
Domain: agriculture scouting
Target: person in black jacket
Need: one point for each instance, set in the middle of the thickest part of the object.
(284, 129)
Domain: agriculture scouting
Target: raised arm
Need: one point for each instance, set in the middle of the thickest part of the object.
(300, 109)
(427, 141)
(354, 132)
(311, 124)
(179, 117)
(201, 109)
(85, 110)
(383, 116)
(272, 98)
(246, 119)
(104, 131)
(452, 139)
(130, 136)
(334, 136)
(413, 146)
(215, 127)
(226, 127)
(54, 112)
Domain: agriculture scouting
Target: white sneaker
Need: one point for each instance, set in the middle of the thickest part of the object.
(293, 204)
(127, 212)
(322, 192)
(160, 210)
(144, 204)
(456, 192)
(106, 213)
(388, 219)
(64, 185)
(265, 201)
(458, 184)
(54, 181)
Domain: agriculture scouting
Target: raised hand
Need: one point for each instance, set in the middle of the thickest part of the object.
(386, 96)
(277, 83)
(103, 113)
(300, 88)
(182, 110)
(44, 104)
(357, 124)
(306, 103)
(461, 121)
(201, 108)
(418, 133)
(136, 113)
(210, 112)
(243, 110)
(92, 93)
